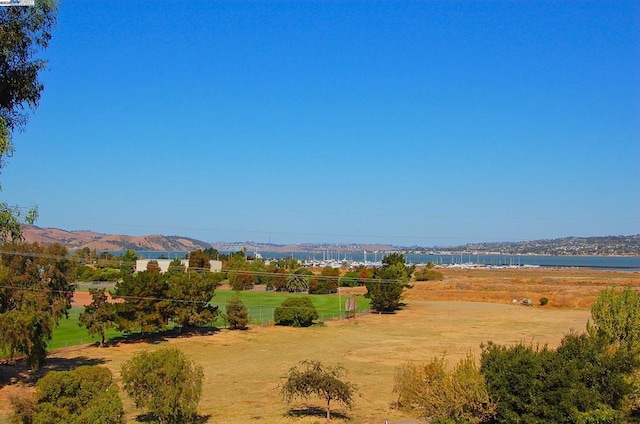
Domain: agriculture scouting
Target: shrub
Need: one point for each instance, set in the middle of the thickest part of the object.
(236, 315)
(164, 382)
(295, 311)
(436, 395)
(428, 275)
(84, 395)
(544, 301)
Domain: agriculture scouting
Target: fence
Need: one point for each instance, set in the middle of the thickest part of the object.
(263, 316)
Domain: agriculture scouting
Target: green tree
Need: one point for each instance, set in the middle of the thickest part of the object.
(190, 296)
(616, 317)
(144, 302)
(385, 289)
(128, 261)
(36, 293)
(240, 280)
(298, 280)
(295, 311)
(83, 396)
(199, 261)
(176, 267)
(24, 31)
(315, 379)
(236, 315)
(326, 282)
(153, 267)
(165, 383)
(99, 315)
(277, 279)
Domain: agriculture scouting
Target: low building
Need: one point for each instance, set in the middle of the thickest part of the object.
(141, 264)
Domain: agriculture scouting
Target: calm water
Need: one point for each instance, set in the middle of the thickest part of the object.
(631, 263)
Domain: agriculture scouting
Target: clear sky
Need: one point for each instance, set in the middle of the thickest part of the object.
(404, 122)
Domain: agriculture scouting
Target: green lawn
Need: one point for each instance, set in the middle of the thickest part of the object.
(69, 333)
(260, 305)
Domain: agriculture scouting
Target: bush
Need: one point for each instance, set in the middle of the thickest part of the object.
(544, 301)
(84, 395)
(164, 382)
(428, 275)
(295, 311)
(436, 395)
(236, 315)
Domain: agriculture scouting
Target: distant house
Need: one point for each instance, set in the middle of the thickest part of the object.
(141, 264)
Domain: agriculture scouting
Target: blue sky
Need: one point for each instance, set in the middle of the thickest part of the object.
(404, 122)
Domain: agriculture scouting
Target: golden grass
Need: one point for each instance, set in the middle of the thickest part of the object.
(243, 369)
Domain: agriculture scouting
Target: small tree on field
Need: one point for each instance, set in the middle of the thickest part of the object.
(99, 315)
(385, 289)
(295, 311)
(316, 379)
(236, 315)
(166, 383)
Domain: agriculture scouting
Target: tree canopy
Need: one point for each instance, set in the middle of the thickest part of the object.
(315, 379)
(23, 32)
(85, 395)
(99, 315)
(386, 287)
(36, 293)
(296, 312)
(165, 383)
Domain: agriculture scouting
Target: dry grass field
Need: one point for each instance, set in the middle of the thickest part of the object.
(452, 317)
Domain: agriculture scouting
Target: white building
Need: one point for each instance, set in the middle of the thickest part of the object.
(141, 264)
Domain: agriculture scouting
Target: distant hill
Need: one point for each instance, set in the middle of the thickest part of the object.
(608, 245)
(98, 241)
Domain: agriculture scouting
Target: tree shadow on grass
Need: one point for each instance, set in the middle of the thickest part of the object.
(150, 418)
(161, 336)
(314, 411)
(19, 372)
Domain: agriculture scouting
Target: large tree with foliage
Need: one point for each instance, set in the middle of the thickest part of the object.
(199, 261)
(165, 383)
(83, 396)
(315, 379)
(99, 315)
(144, 302)
(191, 294)
(36, 293)
(326, 282)
(389, 281)
(23, 32)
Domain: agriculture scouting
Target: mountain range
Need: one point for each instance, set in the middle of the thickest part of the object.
(608, 245)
